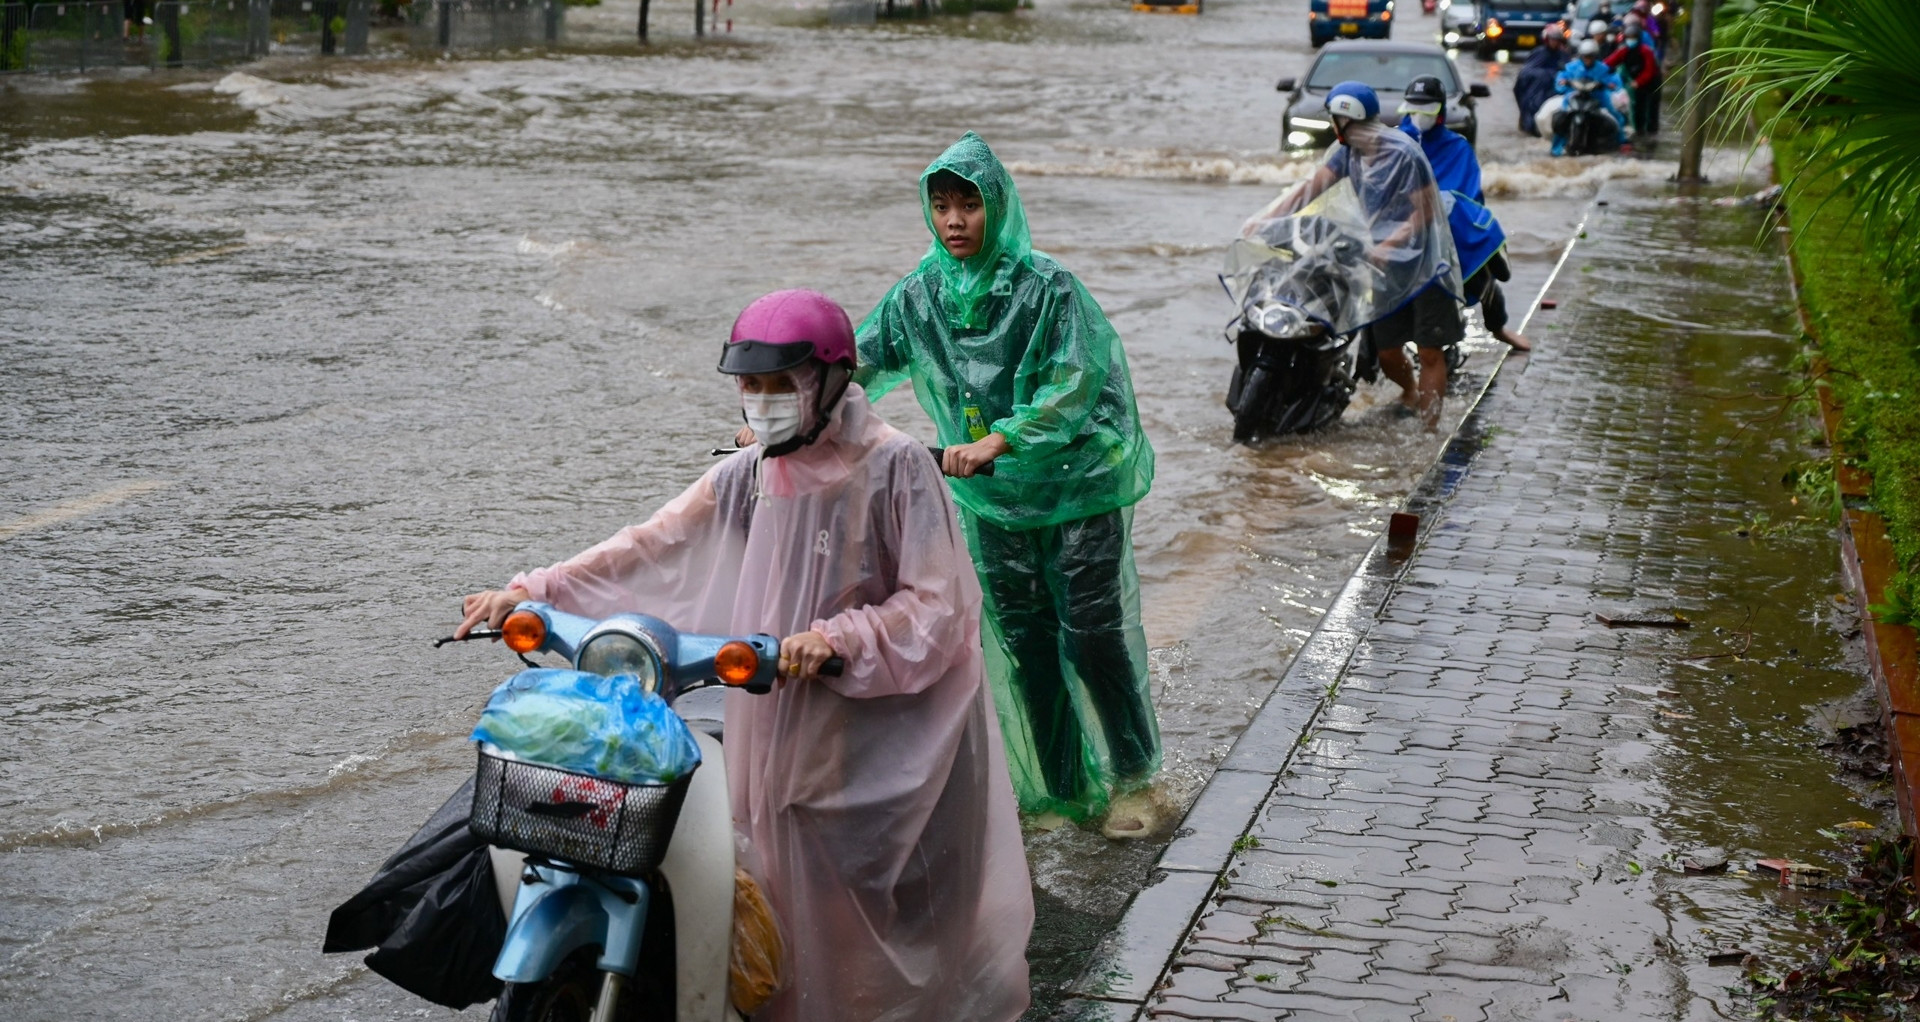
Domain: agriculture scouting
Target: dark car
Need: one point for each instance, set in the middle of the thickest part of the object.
(1388, 67)
(1328, 20)
(1513, 24)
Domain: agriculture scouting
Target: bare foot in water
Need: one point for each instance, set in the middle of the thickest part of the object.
(1514, 339)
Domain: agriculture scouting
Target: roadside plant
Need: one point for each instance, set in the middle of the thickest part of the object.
(1844, 71)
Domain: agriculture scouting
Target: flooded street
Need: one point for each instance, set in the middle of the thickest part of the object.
(298, 356)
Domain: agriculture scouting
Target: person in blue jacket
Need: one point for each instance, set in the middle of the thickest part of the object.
(1477, 236)
(1534, 86)
(1587, 66)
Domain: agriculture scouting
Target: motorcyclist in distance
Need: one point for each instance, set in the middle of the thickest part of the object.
(1534, 85)
(1411, 245)
(1636, 61)
(1601, 33)
(1588, 67)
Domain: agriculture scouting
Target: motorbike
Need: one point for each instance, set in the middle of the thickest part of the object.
(619, 897)
(1295, 372)
(1585, 122)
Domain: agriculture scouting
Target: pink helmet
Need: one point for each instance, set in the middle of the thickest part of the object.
(786, 328)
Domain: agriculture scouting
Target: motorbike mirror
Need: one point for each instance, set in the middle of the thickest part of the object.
(524, 631)
(1284, 85)
(736, 663)
(1479, 90)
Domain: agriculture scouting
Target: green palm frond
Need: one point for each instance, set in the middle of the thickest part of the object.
(1847, 71)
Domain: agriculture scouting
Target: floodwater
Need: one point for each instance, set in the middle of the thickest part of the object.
(296, 356)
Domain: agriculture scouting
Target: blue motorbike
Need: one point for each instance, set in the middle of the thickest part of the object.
(620, 897)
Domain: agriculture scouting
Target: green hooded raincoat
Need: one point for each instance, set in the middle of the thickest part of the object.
(1007, 341)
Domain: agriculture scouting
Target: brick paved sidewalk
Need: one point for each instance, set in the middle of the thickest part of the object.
(1455, 838)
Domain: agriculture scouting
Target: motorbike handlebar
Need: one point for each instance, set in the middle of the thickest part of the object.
(834, 667)
(939, 456)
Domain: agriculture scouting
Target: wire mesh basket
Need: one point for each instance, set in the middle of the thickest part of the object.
(623, 828)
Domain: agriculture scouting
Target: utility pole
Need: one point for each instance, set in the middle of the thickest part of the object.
(1700, 49)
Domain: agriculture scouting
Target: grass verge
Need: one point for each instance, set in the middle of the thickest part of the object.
(1871, 966)
(1866, 312)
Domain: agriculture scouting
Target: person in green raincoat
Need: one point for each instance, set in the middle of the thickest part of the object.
(1017, 366)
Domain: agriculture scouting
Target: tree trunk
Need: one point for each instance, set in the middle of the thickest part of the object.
(1699, 47)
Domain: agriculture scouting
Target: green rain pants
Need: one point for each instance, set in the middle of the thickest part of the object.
(1067, 659)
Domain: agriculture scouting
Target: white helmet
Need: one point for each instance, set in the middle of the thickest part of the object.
(1589, 48)
(1596, 28)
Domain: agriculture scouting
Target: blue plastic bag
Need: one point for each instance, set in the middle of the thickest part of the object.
(608, 727)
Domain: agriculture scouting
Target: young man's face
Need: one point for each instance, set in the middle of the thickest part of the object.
(961, 221)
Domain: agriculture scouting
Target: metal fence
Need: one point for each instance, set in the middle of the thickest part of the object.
(485, 24)
(90, 35)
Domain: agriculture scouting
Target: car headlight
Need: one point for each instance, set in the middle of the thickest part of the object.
(1312, 124)
(1299, 139)
(613, 653)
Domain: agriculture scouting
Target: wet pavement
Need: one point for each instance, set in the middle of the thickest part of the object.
(1489, 813)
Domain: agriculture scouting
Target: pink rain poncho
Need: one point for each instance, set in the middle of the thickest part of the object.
(878, 802)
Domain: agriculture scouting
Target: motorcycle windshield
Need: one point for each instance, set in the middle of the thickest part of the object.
(1314, 261)
(1382, 193)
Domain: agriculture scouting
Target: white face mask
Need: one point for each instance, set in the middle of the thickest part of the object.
(774, 418)
(1424, 122)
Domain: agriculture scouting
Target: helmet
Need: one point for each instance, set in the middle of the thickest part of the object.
(783, 330)
(1353, 100)
(1597, 28)
(1425, 90)
(1589, 48)
(1554, 31)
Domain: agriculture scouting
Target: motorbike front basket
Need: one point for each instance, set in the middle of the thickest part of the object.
(575, 817)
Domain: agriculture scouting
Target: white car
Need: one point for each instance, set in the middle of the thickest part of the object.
(1456, 21)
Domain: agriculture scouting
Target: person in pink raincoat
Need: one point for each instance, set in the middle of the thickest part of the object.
(877, 802)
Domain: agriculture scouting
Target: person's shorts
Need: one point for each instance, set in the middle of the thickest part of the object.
(1431, 320)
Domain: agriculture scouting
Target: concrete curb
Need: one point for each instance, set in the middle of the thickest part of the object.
(1867, 560)
(1131, 962)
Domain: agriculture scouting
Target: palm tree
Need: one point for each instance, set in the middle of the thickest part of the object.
(1847, 71)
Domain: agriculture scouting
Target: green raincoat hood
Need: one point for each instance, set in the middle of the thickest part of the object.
(1007, 244)
(1007, 341)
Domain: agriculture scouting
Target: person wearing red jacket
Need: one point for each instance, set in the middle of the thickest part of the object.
(1639, 66)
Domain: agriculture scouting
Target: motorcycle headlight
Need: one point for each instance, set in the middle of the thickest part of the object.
(619, 653)
(1276, 320)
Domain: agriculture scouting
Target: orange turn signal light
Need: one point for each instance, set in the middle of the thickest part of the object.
(524, 631)
(1494, 29)
(736, 663)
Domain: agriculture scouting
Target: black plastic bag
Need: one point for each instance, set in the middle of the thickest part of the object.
(431, 913)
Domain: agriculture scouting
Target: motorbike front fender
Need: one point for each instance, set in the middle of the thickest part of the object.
(554, 919)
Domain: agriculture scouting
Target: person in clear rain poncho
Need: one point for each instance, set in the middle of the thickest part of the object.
(1017, 366)
(876, 802)
(1416, 289)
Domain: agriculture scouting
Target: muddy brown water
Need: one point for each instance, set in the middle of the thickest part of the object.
(297, 355)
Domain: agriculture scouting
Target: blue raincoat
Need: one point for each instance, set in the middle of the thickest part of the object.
(1477, 236)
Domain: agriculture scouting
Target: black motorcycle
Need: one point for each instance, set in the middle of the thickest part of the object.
(1295, 372)
(1584, 121)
